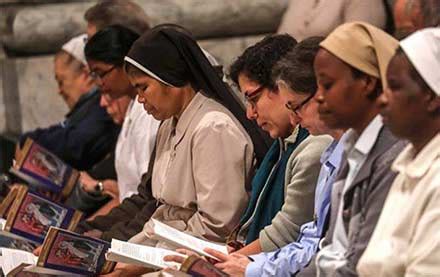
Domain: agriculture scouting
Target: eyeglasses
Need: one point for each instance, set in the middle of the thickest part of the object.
(297, 108)
(251, 98)
(95, 75)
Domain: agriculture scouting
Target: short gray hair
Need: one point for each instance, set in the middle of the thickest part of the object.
(295, 69)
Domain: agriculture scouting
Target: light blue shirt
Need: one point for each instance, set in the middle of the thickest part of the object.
(293, 257)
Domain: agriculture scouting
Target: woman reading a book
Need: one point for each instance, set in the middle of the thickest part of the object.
(204, 149)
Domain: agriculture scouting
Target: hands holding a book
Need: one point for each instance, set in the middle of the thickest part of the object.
(37, 250)
(180, 259)
(233, 264)
(127, 270)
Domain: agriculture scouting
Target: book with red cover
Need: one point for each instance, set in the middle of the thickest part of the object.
(43, 170)
(31, 215)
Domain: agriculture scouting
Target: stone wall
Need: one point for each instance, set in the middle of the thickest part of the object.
(32, 30)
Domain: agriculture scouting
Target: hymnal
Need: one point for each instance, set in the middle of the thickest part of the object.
(6, 204)
(42, 169)
(179, 239)
(65, 253)
(31, 215)
(141, 255)
(13, 242)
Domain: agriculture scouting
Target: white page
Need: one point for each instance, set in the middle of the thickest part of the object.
(183, 240)
(143, 255)
(13, 258)
(2, 223)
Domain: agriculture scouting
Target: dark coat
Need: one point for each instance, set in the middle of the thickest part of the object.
(86, 136)
(127, 219)
(363, 200)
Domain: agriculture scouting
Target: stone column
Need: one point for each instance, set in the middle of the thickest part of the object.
(44, 28)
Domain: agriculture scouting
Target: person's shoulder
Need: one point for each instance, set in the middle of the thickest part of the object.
(214, 114)
(314, 145)
(309, 152)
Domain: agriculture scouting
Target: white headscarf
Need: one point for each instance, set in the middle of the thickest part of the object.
(423, 50)
(75, 47)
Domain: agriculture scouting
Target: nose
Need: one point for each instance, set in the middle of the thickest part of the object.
(319, 96)
(383, 98)
(60, 90)
(251, 113)
(103, 102)
(140, 98)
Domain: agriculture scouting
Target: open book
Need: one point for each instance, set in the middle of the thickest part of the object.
(179, 239)
(62, 253)
(141, 255)
(42, 169)
(11, 259)
(31, 214)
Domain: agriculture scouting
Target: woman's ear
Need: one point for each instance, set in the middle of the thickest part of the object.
(372, 87)
(433, 104)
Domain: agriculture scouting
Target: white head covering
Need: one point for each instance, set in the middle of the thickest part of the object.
(75, 47)
(423, 50)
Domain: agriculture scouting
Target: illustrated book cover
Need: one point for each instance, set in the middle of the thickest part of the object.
(42, 169)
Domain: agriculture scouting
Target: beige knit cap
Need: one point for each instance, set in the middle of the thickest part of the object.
(363, 46)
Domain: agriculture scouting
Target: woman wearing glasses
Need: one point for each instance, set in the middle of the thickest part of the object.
(105, 53)
(291, 165)
(283, 187)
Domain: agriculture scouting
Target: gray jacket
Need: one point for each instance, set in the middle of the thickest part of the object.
(363, 200)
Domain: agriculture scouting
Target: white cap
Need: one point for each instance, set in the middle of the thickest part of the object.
(423, 50)
(75, 47)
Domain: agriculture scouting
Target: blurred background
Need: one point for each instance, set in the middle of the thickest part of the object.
(32, 30)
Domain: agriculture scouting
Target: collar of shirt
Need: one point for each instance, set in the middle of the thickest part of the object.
(185, 119)
(333, 154)
(417, 166)
(290, 139)
(365, 142)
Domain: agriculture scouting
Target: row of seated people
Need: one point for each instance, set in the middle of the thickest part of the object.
(327, 173)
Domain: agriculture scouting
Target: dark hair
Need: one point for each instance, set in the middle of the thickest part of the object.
(296, 67)
(120, 12)
(110, 45)
(358, 74)
(413, 73)
(257, 61)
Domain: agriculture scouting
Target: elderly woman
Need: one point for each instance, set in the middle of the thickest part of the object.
(203, 150)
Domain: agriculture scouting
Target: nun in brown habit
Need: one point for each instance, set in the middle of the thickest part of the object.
(205, 145)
